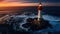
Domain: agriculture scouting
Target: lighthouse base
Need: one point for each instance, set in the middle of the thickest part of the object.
(34, 24)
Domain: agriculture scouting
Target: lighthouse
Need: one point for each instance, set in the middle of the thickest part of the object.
(39, 11)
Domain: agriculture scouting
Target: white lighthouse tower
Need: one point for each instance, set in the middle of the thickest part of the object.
(39, 11)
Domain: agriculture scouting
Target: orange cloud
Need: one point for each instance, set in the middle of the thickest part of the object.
(17, 4)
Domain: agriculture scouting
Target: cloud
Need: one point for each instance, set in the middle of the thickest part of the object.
(50, 4)
(32, 1)
(15, 1)
(53, 1)
(17, 4)
(1, 0)
(12, 0)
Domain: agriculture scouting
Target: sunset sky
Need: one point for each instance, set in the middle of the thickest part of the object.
(58, 1)
(7, 3)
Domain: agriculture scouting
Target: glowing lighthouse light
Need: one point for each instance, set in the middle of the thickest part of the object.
(40, 5)
(39, 11)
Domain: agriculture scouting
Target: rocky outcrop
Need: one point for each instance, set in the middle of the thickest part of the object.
(35, 25)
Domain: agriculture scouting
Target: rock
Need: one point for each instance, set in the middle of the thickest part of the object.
(34, 25)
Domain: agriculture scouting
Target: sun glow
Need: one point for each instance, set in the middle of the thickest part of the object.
(17, 4)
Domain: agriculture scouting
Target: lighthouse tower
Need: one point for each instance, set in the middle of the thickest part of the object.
(39, 11)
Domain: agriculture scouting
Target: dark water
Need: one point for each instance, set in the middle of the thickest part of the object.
(52, 10)
(49, 13)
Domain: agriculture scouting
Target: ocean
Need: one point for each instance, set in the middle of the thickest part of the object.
(49, 13)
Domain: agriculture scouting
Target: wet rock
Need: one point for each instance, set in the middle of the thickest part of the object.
(34, 25)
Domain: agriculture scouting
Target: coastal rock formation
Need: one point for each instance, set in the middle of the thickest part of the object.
(35, 25)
